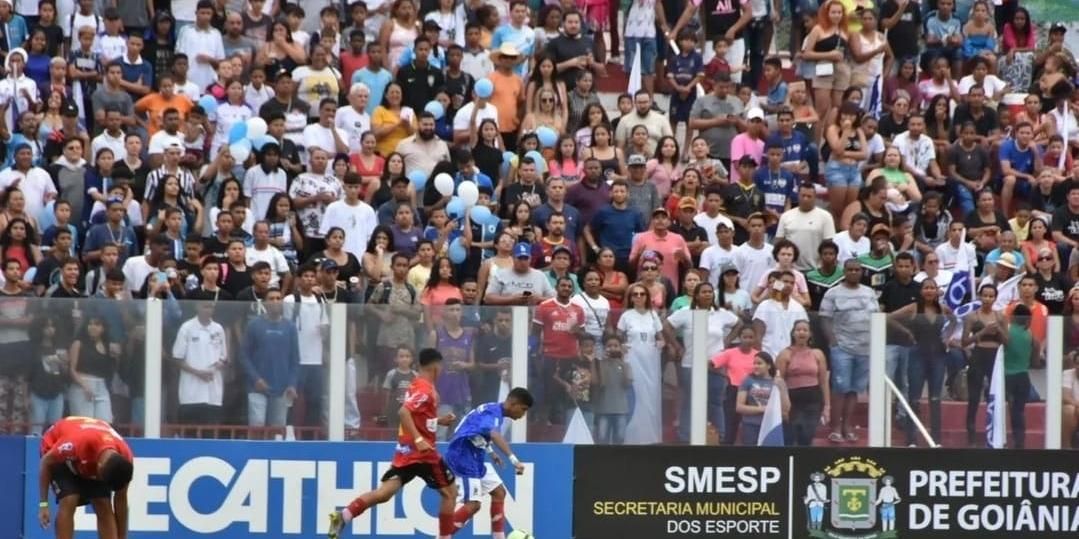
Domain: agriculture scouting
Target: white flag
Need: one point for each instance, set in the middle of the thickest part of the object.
(578, 432)
(635, 72)
(995, 433)
(771, 433)
(1064, 154)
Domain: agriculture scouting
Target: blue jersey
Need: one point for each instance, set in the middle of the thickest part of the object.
(465, 455)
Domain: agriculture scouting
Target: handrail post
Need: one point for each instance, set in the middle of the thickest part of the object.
(878, 331)
(1054, 371)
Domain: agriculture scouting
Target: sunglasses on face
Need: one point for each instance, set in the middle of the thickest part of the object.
(1044, 258)
(649, 268)
(638, 294)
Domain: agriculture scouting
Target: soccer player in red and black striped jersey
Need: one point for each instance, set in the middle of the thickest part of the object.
(415, 455)
(86, 462)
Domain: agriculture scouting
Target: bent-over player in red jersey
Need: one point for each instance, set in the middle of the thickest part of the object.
(86, 462)
(415, 455)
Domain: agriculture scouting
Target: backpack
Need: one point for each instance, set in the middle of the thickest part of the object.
(386, 289)
(298, 301)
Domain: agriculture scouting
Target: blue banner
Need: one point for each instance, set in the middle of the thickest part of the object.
(11, 499)
(188, 489)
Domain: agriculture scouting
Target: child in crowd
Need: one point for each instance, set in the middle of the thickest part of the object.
(753, 395)
(611, 380)
(396, 385)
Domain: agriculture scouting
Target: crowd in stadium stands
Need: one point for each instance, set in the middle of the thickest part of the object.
(438, 162)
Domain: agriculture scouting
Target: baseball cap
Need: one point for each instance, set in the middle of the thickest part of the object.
(661, 209)
(1007, 260)
(114, 200)
(728, 268)
(522, 250)
(561, 249)
(69, 110)
(1058, 27)
(755, 113)
(880, 227)
(328, 264)
(636, 160)
(687, 202)
(431, 24)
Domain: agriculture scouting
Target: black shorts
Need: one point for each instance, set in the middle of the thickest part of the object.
(437, 476)
(65, 483)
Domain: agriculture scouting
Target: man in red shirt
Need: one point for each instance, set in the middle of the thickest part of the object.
(415, 455)
(557, 323)
(85, 461)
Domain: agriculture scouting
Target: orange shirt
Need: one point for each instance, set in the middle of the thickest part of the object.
(508, 94)
(155, 106)
(79, 441)
(1039, 319)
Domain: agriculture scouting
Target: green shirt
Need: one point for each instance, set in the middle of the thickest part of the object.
(1018, 350)
(819, 283)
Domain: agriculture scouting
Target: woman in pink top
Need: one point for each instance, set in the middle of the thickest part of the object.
(441, 286)
(1019, 42)
(565, 162)
(805, 371)
(735, 364)
(663, 169)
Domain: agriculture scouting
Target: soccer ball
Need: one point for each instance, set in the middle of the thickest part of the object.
(518, 534)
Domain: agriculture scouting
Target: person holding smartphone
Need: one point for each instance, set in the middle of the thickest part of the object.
(518, 284)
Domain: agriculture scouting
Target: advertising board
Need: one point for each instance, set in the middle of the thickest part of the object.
(187, 489)
(824, 493)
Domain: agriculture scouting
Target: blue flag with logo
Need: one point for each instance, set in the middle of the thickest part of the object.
(958, 289)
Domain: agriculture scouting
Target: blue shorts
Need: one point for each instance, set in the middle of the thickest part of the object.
(850, 373)
(837, 174)
(680, 107)
(887, 511)
(816, 513)
(648, 54)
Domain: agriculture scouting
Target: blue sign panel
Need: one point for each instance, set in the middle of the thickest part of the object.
(188, 489)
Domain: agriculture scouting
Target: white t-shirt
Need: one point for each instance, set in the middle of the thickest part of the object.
(806, 230)
(162, 140)
(270, 255)
(991, 83)
(201, 346)
(357, 221)
(949, 257)
(709, 225)
(189, 90)
(310, 320)
(713, 258)
(228, 115)
(316, 136)
(917, 154)
(460, 120)
(752, 264)
(849, 248)
(36, 186)
(136, 269)
(778, 323)
(105, 140)
(595, 313)
(260, 187)
(720, 323)
(184, 10)
(354, 124)
(194, 42)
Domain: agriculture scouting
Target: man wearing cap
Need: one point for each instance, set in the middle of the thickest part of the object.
(69, 128)
(518, 284)
(508, 94)
(643, 195)
(657, 123)
(1004, 271)
(202, 44)
(750, 142)
(877, 263)
(518, 34)
(718, 255)
(1054, 47)
(34, 182)
(684, 224)
(661, 240)
(112, 232)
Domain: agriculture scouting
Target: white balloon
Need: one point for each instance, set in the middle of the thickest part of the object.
(469, 193)
(256, 128)
(444, 184)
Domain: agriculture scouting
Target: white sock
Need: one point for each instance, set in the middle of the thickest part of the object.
(498, 535)
(346, 515)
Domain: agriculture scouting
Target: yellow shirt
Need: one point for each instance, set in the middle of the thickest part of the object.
(854, 22)
(381, 118)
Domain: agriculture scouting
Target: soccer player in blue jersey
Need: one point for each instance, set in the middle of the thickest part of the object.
(465, 457)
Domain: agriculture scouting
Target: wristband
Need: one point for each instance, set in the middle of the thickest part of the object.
(514, 460)
(43, 505)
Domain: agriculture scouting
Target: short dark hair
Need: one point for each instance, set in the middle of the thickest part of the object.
(429, 356)
(905, 256)
(117, 471)
(826, 245)
(521, 396)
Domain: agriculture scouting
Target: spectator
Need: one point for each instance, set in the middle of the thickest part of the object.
(271, 356)
(642, 331)
(657, 124)
(754, 394)
(396, 384)
(987, 330)
(518, 284)
(203, 43)
(1020, 350)
(611, 381)
(805, 371)
(201, 352)
(806, 226)
(776, 316)
(457, 345)
(353, 216)
(308, 312)
(615, 224)
(91, 366)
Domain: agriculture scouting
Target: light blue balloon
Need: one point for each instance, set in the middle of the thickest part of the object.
(208, 104)
(456, 208)
(547, 137)
(480, 214)
(237, 132)
(258, 143)
(493, 220)
(457, 251)
(240, 150)
(435, 108)
(484, 88)
(418, 179)
(541, 163)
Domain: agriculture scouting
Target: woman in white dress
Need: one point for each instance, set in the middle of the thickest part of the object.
(642, 331)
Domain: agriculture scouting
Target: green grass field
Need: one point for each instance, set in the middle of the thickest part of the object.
(1052, 10)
